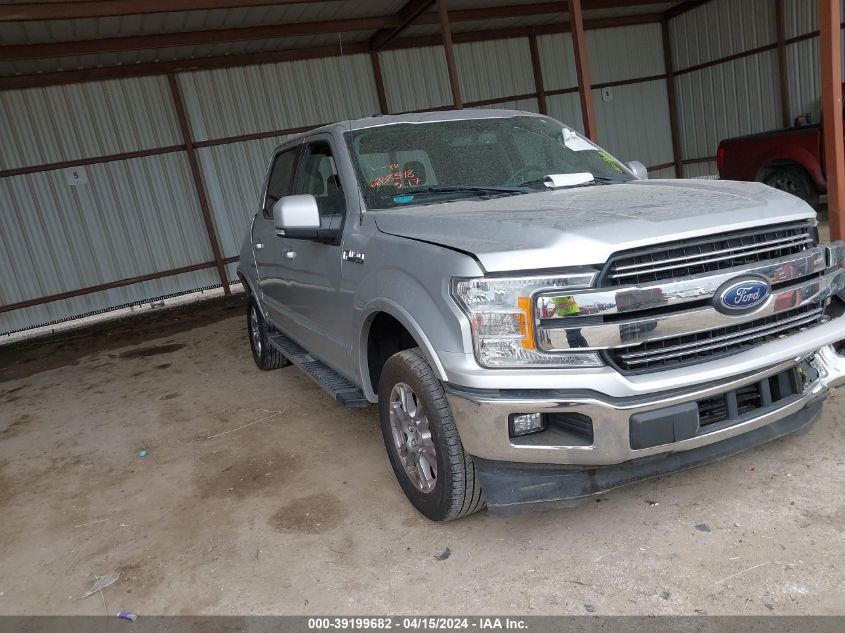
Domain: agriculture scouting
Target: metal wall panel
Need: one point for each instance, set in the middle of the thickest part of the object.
(132, 218)
(97, 302)
(802, 17)
(415, 78)
(804, 80)
(730, 99)
(633, 124)
(234, 175)
(525, 105)
(60, 123)
(498, 68)
(616, 54)
(247, 100)
(658, 174)
(706, 170)
(557, 61)
(566, 108)
(720, 28)
(626, 52)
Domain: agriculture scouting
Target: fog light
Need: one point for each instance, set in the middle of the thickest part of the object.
(525, 423)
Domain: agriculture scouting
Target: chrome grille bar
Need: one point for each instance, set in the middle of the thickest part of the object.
(737, 251)
(705, 260)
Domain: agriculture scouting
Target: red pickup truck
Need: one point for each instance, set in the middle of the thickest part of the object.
(791, 160)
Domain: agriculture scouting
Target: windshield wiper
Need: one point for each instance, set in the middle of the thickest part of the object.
(504, 191)
(597, 180)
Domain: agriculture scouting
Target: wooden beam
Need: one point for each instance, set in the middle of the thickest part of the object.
(536, 67)
(379, 80)
(830, 52)
(451, 66)
(783, 69)
(410, 12)
(674, 126)
(196, 172)
(31, 11)
(193, 38)
(582, 69)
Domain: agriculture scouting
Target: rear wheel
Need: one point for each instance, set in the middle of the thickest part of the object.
(422, 442)
(265, 355)
(793, 180)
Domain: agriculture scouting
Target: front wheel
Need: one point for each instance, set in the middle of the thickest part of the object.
(422, 442)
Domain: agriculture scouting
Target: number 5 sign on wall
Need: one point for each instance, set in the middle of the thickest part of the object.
(76, 176)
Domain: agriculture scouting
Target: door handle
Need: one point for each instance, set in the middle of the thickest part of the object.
(290, 253)
(259, 245)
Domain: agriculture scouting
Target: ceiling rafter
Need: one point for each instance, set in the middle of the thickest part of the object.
(36, 11)
(406, 15)
(386, 27)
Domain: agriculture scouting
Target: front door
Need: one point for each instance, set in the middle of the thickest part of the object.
(317, 303)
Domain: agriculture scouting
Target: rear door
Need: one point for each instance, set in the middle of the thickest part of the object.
(269, 257)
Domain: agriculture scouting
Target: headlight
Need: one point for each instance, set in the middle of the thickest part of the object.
(501, 315)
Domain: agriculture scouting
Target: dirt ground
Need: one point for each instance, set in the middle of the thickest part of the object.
(259, 496)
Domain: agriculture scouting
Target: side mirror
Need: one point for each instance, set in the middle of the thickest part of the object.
(296, 214)
(638, 168)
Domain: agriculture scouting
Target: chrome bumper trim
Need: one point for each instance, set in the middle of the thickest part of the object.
(667, 293)
(482, 420)
(634, 331)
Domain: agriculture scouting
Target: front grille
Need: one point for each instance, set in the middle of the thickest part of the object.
(714, 253)
(728, 408)
(703, 346)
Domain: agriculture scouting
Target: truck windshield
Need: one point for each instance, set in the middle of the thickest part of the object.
(425, 163)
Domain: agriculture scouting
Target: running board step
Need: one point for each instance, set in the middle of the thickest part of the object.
(346, 393)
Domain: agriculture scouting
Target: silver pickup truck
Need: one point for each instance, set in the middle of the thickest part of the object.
(538, 322)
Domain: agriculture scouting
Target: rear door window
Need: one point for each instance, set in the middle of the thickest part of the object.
(280, 180)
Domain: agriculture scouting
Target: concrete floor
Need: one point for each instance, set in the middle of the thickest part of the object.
(258, 495)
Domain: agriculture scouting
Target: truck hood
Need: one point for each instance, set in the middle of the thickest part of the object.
(584, 226)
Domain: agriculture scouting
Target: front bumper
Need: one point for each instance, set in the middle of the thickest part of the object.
(482, 415)
(515, 474)
(512, 488)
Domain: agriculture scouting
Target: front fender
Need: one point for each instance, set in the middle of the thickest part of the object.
(410, 281)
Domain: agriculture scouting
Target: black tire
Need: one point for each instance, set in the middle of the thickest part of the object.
(794, 180)
(258, 331)
(456, 490)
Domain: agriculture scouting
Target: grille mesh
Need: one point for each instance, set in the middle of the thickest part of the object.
(715, 253)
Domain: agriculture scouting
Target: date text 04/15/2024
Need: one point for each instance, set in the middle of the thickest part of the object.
(416, 623)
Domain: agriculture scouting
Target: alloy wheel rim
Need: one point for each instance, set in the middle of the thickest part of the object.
(412, 437)
(254, 331)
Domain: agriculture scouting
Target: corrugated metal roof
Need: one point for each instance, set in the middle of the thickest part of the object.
(184, 21)
(27, 67)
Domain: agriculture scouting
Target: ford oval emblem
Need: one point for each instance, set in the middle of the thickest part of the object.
(742, 295)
